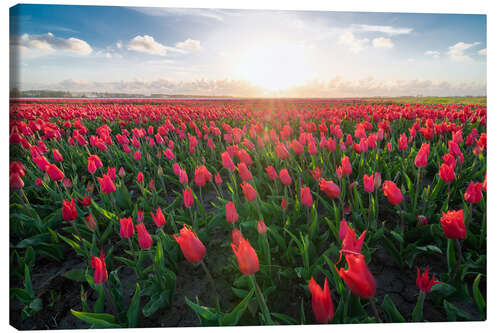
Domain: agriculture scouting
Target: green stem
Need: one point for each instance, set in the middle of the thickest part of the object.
(261, 300)
(374, 308)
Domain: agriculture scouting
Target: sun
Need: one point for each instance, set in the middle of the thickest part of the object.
(275, 67)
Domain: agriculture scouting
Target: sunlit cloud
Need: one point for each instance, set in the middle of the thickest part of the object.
(189, 44)
(382, 42)
(482, 52)
(355, 45)
(49, 43)
(434, 54)
(383, 29)
(456, 51)
(147, 44)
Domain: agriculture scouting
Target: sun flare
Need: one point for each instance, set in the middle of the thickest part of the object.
(275, 67)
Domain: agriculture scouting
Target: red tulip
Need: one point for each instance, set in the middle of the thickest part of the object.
(67, 183)
(392, 192)
(423, 282)
(306, 197)
(246, 257)
(350, 243)
(192, 248)
(218, 179)
(111, 173)
(137, 155)
(261, 227)
(358, 277)
(321, 301)
(389, 147)
(484, 183)
(316, 173)
(17, 167)
(54, 173)
(248, 191)
(140, 177)
(339, 172)
(96, 161)
(121, 172)
(57, 155)
(69, 212)
(281, 151)
(422, 220)
(188, 197)
(159, 219)
(422, 155)
(202, 176)
(346, 166)
(245, 174)
(145, 240)
(473, 193)
(231, 213)
(453, 224)
(450, 160)
(285, 177)
(41, 162)
(283, 203)
(38, 182)
(271, 172)
(343, 229)
(126, 227)
(329, 188)
(402, 142)
(183, 177)
(90, 222)
(16, 181)
(107, 185)
(99, 264)
(236, 236)
(368, 183)
(227, 161)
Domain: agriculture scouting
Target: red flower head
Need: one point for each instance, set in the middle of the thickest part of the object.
(484, 183)
(85, 201)
(231, 213)
(111, 173)
(188, 197)
(343, 229)
(57, 155)
(358, 277)
(245, 174)
(16, 181)
(473, 193)
(285, 177)
(316, 173)
(236, 236)
(67, 183)
(447, 173)
(346, 166)
(90, 222)
(54, 172)
(422, 155)
(283, 203)
(69, 212)
(261, 227)
(297, 147)
(339, 172)
(183, 177)
(126, 227)
(121, 172)
(99, 264)
(350, 243)
(402, 142)
(17, 167)
(202, 176)
(137, 155)
(271, 172)
(423, 282)
(246, 257)
(306, 197)
(227, 161)
(281, 151)
(329, 188)
(107, 185)
(192, 248)
(392, 192)
(145, 240)
(389, 147)
(321, 301)
(159, 219)
(422, 220)
(453, 224)
(94, 163)
(140, 177)
(176, 168)
(368, 183)
(218, 179)
(248, 191)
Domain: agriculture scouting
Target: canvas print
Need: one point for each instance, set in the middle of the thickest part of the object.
(222, 167)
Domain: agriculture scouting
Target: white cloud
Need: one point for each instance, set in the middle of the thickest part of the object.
(189, 44)
(383, 29)
(119, 44)
(354, 44)
(383, 42)
(434, 54)
(147, 44)
(482, 52)
(456, 51)
(48, 43)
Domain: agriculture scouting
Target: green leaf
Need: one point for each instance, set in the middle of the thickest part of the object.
(416, 315)
(133, 310)
(285, 318)
(392, 311)
(450, 255)
(398, 237)
(203, 312)
(27, 282)
(107, 214)
(36, 305)
(454, 313)
(156, 302)
(100, 320)
(443, 289)
(232, 318)
(478, 297)
(21, 294)
(75, 275)
(430, 249)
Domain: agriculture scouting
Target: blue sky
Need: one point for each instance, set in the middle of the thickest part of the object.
(246, 52)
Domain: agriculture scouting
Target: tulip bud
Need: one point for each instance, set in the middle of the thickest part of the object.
(306, 197)
(99, 264)
(261, 227)
(188, 197)
(231, 213)
(126, 227)
(121, 172)
(90, 222)
(144, 238)
(246, 256)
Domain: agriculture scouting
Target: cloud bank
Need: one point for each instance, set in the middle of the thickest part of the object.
(50, 43)
(336, 87)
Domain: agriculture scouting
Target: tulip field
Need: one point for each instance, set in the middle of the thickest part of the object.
(156, 213)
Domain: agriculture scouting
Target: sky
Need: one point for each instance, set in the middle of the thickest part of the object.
(246, 53)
